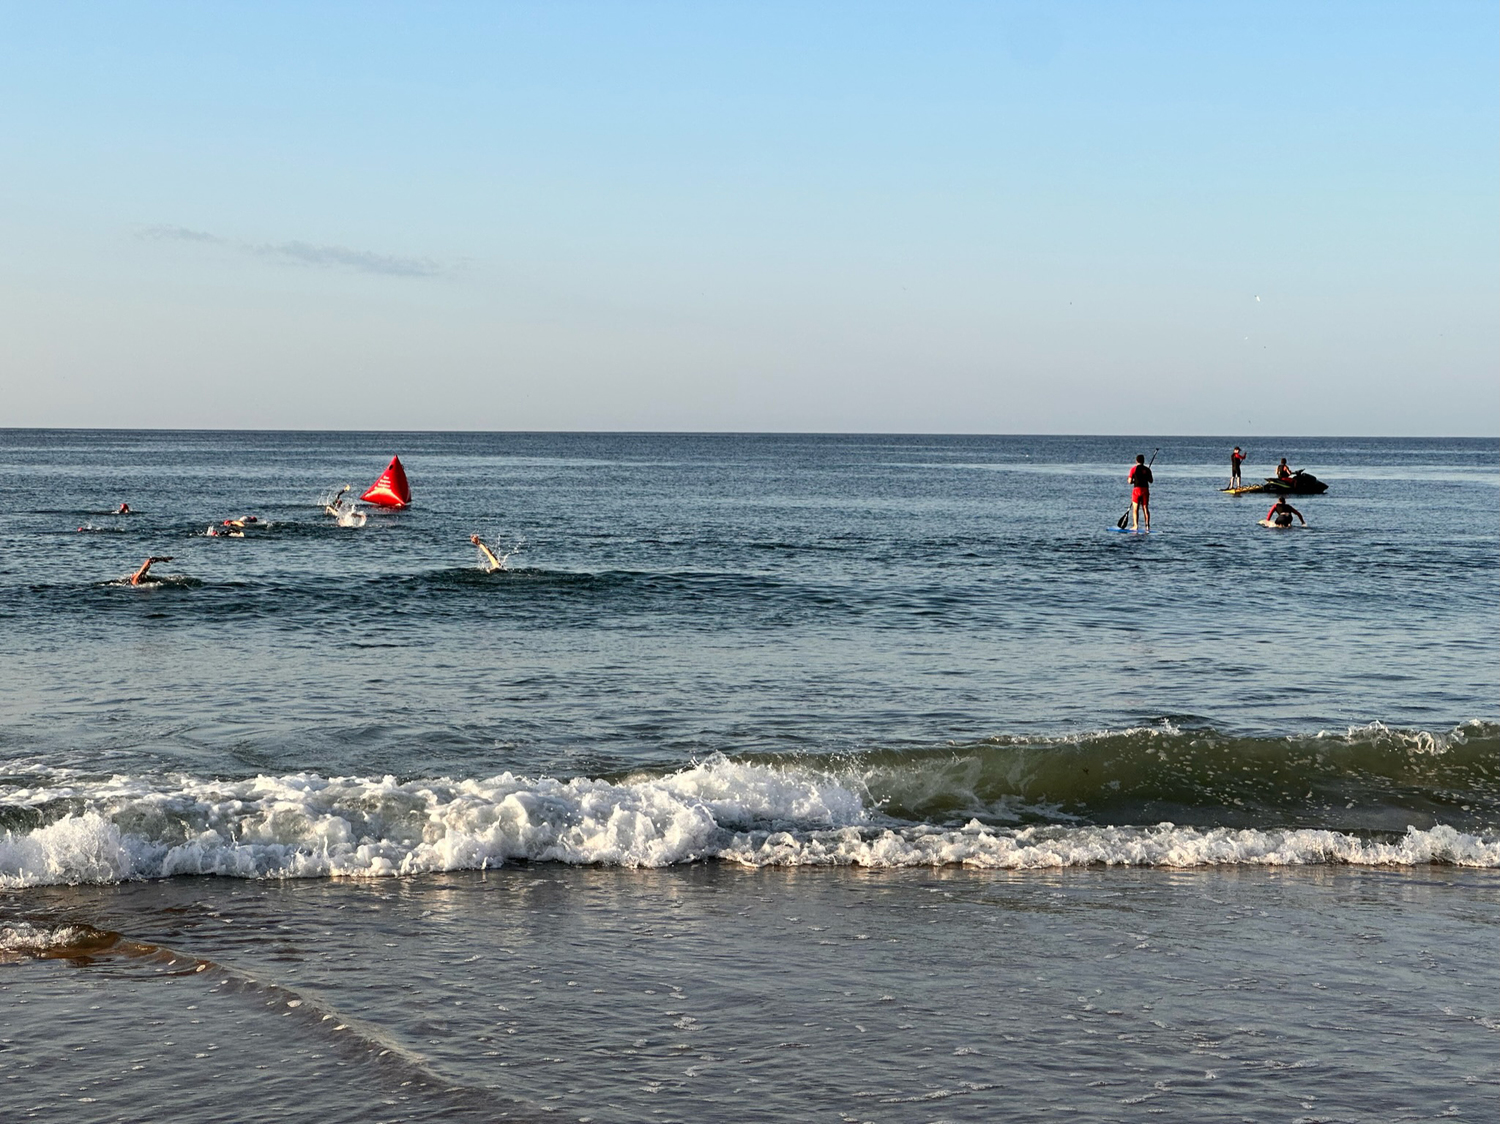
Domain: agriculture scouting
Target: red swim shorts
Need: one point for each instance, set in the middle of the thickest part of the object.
(1139, 494)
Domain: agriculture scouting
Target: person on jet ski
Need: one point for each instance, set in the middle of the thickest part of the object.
(1281, 513)
(1283, 470)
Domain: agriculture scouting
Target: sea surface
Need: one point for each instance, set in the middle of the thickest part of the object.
(773, 778)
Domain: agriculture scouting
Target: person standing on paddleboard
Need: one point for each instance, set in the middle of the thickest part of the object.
(1236, 459)
(1140, 493)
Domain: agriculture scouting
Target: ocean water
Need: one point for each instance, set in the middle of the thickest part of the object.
(774, 778)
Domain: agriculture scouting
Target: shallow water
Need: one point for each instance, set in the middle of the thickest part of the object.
(843, 777)
(712, 993)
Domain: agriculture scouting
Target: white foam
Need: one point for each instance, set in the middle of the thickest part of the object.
(1164, 845)
(305, 825)
(25, 938)
(1413, 741)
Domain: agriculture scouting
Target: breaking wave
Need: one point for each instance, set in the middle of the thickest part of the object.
(888, 811)
(1368, 778)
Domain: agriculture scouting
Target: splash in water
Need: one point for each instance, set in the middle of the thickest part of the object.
(492, 559)
(345, 512)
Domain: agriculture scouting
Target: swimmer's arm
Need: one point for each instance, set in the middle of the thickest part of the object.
(486, 551)
(136, 578)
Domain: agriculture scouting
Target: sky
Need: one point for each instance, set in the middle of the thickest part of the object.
(1228, 218)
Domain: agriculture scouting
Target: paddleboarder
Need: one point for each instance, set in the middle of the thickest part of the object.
(1236, 459)
(1140, 493)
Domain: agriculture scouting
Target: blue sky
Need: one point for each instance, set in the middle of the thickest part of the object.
(1205, 218)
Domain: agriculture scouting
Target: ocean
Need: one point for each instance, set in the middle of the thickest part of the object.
(774, 778)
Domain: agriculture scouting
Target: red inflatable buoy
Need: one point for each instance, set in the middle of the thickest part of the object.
(391, 490)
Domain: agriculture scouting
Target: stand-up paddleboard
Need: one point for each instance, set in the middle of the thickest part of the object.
(1245, 490)
(1281, 526)
(391, 490)
(1128, 531)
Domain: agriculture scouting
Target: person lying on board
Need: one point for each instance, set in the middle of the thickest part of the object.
(1281, 514)
(242, 522)
(140, 575)
(124, 509)
(491, 562)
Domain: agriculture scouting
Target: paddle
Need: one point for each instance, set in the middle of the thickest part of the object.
(1124, 519)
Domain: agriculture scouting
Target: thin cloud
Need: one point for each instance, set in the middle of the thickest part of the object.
(304, 253)
(180, 234)
(362, 260)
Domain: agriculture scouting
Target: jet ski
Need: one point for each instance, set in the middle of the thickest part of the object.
(1298, 484)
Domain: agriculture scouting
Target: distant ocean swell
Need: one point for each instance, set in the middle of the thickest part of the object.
(62, 828)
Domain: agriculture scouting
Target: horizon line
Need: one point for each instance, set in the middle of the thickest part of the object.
(747, 433)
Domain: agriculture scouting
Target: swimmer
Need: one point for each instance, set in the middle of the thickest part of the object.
(491, 562)
(332, 506)
(140, 575)
(242, 522)
(124, 509)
